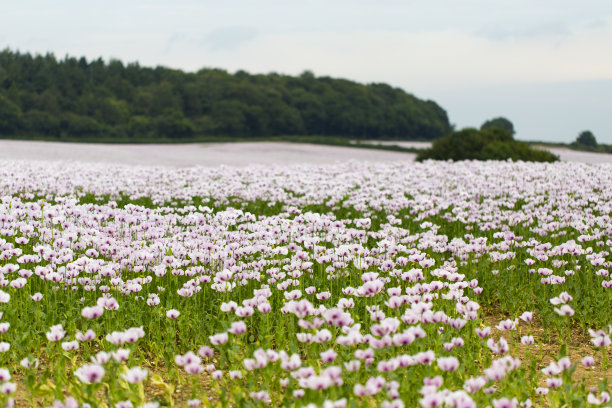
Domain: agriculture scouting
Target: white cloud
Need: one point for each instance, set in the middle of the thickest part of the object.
(228, 39)
(425, 60)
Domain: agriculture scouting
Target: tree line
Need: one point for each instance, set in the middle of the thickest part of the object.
(77, 99)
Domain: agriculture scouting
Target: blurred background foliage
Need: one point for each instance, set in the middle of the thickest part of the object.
(74, 99)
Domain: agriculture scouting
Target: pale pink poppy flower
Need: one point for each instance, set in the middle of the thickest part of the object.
(322, 336)
(554, 382)
(92, 312)
(249, 364)
(188, 358)
(489, 390)
(505, 403)
(37, 297)
(205, 351)
(564, 363)
(323, 295)
(482, 333)
(101, 358)
(237, 328)
(70, 345)
(244, 311)
(328, 356)
(473, 385)
(194, 369)
(264, 307)
(135, 375)
(121, 354)
(395, 403)
(507, 325)
(352, 365)
(56, 333)
(432, 400)
(27, 363)
(218, 339)
(8, 388)
(588, 361)
(448, 363)
(87, 336)
(261, 396)
(599, 338)
(564, 310)
(90, 373)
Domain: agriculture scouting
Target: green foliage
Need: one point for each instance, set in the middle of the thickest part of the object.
(499, 122)
(37, 121)
(79, 125)
(10, 115)
(492, 143)
(76, 99)
(586, 142)
(173, 124)
(586, 138)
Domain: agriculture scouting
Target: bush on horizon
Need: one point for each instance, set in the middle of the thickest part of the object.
(492, 143)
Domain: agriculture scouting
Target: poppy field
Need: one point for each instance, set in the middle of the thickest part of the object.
(432, 284)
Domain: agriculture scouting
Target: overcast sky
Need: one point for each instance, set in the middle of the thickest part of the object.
(544, 64)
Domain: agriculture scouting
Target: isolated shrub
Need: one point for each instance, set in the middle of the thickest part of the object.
(493, 143)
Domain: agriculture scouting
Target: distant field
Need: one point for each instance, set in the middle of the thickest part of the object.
(582, 157)
(185, 155)
(231, 154)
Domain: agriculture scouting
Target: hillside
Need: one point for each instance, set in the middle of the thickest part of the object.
(42, 97)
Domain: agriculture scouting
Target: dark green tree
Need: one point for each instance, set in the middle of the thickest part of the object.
(10, 116)
(587, 138)
(499, 122)
(42, 123)
(78, 125)
(174, 125)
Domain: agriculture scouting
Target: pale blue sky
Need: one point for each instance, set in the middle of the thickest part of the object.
(546, 65)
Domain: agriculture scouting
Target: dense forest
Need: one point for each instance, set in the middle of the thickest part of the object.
(76, 99)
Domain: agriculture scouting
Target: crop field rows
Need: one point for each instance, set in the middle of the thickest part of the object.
(432, 284)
